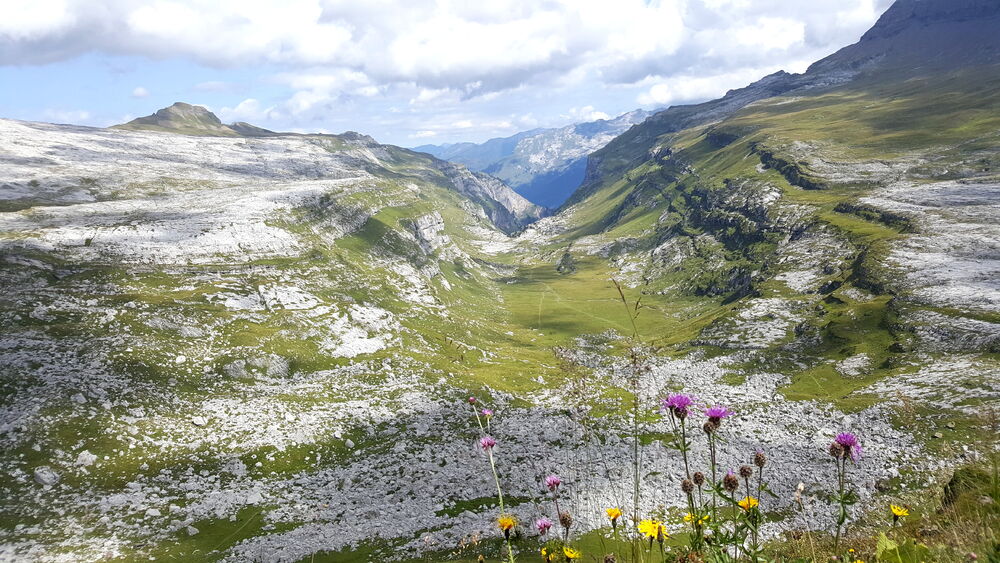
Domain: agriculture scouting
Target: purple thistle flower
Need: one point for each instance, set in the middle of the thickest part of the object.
(487, 443)
(487, 412)
(553, 482)
(718, 412)
(472, 400)
(543, 524)
(677, 404)
(851, 444)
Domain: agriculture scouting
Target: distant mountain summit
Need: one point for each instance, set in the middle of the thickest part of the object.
(192, 120)
(543, 165)
(505, 208)
(922, 34)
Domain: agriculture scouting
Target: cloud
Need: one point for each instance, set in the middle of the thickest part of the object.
(585, 113)
(472, 48)
(66, 116)
(688, 88)
(452, 69)
(249, 109)
(140, 92)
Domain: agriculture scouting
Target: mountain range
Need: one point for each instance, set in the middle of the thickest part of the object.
(227, 343)
(543, 165)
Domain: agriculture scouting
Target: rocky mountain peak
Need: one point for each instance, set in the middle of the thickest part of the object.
(182, 118)
(182, 110)
(907, 14)
(917, 35)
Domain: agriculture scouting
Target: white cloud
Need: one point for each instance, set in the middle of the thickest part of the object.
(66, 116)
(453, 69)
(140, 92)
(586, 113)
(249, 109)
(686, 88)
(439, 45)
(28, 20)
(771, 33)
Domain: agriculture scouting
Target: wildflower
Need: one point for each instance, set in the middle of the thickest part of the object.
(553, 482)
(746, 471)
(677, 404)
(546, 556)
(730, 482)
(850, 444)
(748, 502)
(716, 413)
(472, 400)
(506, 523)
(698, 478)
(898, 512)
(653, 529)
(486, 412)
(571, 553)
(694, 518)
(565, 519)
(759, 459)
(709, 428)
(836, 450)
(614, 514)
(487, 443)
(543, 524)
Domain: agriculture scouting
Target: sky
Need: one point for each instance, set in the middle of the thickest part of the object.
(407, 72)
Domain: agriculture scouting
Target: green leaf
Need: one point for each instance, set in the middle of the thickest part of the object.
(884, 545)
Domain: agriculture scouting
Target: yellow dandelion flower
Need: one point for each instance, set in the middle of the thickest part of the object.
(689, 517)
(653, 529)
(545, 555)
(506, 522)
(571, 553)
(748, 502)
(649, 528)
(613, 513)
(898, 511)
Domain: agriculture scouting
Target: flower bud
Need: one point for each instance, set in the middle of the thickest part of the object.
(699, 478)
(759, 459)
(837, 450)
(565, 519)
(730, 482)
(746, 471)
(687, 486)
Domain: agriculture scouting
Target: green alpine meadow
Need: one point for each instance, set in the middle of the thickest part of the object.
(754, 325)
